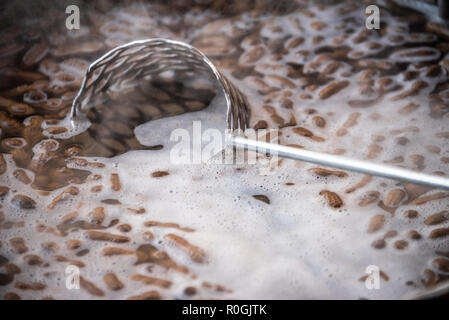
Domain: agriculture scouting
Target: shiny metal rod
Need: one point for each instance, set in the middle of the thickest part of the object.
(344, 163)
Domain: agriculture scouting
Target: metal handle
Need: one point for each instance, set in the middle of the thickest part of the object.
(444, 8)
(344, 163)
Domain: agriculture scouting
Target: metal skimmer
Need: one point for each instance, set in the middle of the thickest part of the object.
(136, 59)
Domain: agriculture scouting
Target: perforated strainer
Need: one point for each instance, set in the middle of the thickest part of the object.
(147, 58)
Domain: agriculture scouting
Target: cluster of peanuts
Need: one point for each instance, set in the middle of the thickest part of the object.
(292, 61)
(42, 66)
(96, 226)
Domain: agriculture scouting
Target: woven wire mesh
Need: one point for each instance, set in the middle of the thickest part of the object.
(127, 63)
